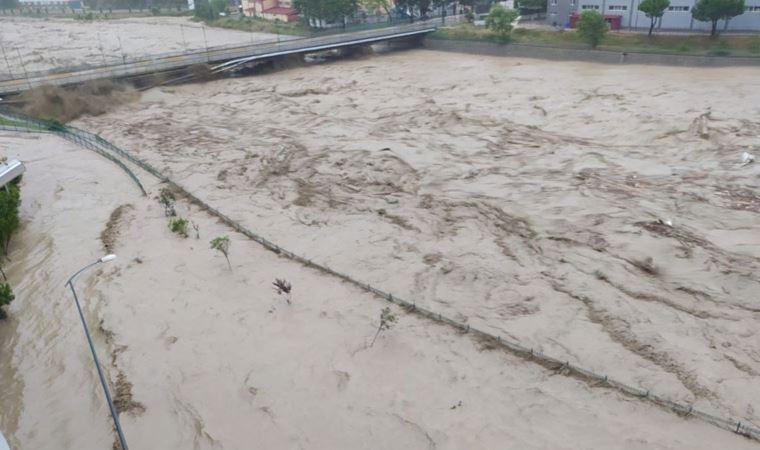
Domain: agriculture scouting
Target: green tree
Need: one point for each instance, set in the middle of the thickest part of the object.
(500, 20)
(421, 6)
(592, 27)
(387, 319)
(377, 5)
(653, 9)
(10, 199)
(209, 10)
(326, 10)
(6, 296)
(715, 10)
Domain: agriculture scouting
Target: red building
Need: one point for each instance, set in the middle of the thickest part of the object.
(270, 9)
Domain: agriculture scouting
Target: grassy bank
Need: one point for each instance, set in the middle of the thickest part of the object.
(616, 41)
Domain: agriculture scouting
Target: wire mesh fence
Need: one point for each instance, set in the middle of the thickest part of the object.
(16, 122)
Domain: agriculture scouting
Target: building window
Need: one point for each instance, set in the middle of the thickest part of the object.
(678, 8)
(618, 8)
(752, 9)
(589, 6)
(572, 2)
(554, 2)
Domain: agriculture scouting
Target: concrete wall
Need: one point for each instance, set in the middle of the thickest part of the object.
(558, 11)
(562, 54)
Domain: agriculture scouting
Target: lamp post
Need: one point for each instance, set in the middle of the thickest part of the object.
(114, 414)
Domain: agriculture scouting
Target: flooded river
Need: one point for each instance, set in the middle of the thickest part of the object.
(527, 198)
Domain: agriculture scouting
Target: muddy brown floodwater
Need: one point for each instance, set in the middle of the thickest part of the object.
(527, 198)
(38, 44)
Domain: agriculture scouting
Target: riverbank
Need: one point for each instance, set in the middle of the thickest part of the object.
(617, 42)
(550, 53)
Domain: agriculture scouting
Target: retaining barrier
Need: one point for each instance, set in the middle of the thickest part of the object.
(100, 145)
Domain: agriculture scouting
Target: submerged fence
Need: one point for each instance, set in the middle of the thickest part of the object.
(16, 122)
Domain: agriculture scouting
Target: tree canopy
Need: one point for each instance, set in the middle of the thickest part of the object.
(415, 7)
(715, 10)
(500, 20)
(326, 10)
(592, 27)
(209, 10)
(653, 9)
(377, 5)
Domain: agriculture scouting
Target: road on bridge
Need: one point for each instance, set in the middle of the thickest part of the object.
(225, 57)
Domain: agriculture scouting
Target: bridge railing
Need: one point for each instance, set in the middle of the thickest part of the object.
(117, 61)
(157, 63)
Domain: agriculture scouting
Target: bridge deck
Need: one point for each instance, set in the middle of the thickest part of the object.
(231, 55)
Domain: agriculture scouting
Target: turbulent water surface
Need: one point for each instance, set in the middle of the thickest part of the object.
(597, 213)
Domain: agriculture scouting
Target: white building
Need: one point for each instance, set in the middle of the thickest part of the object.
(676, 17)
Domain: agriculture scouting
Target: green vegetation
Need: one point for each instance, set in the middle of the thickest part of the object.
(257, 25)
(178, 225)
(167, 199)
(733, 45)
(6, 296)
(326, 10)
(209, 10)
(592, 28)
(715, 10)
(10, 199)
(374, 6)
(222, 245)
(88, 16)
(387, 319)
(653, 9)
(500, 21)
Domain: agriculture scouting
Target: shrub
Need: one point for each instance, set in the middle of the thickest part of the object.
(754, 45)
(10, 199)
(167, 200)
(283, 286)
(222, 245)
(500, 20)
(592, 27)
(387, 319)
(6, 296)
(178, 225)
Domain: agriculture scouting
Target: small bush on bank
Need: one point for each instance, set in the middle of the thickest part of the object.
(6, 296)
(178, 225)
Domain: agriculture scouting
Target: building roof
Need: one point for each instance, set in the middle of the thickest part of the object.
(280, 10)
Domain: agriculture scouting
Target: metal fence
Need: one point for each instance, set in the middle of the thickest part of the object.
(514, 347)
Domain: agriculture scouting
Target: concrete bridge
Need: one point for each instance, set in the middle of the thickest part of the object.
(219, 58)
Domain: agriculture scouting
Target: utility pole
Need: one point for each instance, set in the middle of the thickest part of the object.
(205, 42)
(182, 30)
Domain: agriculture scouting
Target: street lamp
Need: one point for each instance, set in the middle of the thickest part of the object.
(114, 414)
